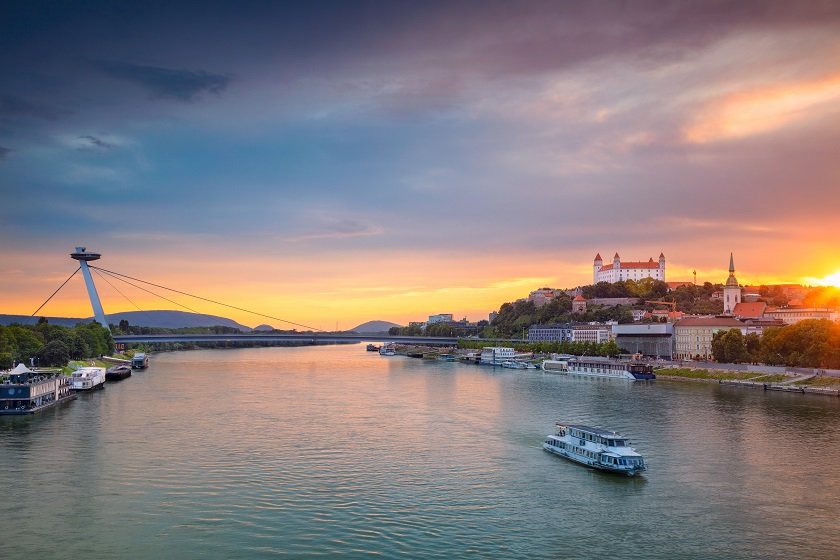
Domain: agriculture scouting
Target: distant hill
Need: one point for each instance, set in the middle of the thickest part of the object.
(263, 327)
(173, 319)
(163, 319)
(27, 320)
(374, 327)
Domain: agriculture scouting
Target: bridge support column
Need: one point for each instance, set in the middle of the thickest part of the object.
(84, 256)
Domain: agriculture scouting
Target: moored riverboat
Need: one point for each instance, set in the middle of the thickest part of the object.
(117, 373)
(372, 348)
(88, 379)
(388, 349)
(593, 367)
(140, 361)
(24, 391)
(594, 447)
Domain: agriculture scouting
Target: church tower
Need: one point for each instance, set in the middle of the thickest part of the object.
(596, 268)
(731, 291)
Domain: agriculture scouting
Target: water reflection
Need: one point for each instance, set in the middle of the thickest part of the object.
(334, 450)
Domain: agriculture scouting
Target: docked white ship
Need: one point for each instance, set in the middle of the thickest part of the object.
(600, 368)
(87, 379)
(594, 447)
(388, 349)
(496, 355)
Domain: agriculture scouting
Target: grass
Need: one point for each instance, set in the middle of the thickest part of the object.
(773, 378)
(698, 373)
(822, 381)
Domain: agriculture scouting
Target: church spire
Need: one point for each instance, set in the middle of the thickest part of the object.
(731, 264)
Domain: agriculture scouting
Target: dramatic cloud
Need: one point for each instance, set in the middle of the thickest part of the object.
(456, 145)
(184, 85)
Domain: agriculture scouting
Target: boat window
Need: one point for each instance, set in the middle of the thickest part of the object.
(619, 443)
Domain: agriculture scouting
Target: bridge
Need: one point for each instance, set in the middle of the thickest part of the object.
(313, 336)
(310, 338)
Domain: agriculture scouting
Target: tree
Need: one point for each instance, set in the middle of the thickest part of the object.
(54, 353)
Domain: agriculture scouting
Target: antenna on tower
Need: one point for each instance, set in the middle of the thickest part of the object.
(694, 272)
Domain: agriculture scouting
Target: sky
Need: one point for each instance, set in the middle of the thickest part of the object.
(329, 163)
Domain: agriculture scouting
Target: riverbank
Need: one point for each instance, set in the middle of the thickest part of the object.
(786, 382)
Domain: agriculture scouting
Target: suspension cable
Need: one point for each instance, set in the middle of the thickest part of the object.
(55, 292)
(206, 299)
(117, 289)
(153, 293)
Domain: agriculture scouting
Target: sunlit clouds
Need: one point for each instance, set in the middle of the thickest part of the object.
(392, 160)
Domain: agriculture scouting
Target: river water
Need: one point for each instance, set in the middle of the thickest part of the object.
(334, 451)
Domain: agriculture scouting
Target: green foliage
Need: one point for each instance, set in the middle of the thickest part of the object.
(54, 353)
(52, 344)
(810, 343)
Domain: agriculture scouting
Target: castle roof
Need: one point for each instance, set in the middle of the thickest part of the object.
(579, 298)
(598, 257)
(661, 255)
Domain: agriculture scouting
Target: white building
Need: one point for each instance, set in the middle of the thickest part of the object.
(439, 318)
(631, 270)
(495, 355)
(591, 333)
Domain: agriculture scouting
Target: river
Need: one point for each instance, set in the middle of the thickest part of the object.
(333, 451)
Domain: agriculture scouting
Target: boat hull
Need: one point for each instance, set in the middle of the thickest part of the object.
(628, 471)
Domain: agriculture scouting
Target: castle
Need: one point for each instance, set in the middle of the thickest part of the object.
(618, 271)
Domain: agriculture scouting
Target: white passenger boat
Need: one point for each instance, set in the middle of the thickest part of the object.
(388, 349)
(594, 367)
(594, 447)
(87, 379)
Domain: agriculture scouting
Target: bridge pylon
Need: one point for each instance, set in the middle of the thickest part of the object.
(84, 256)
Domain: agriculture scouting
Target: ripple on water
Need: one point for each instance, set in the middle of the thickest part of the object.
(332, 451)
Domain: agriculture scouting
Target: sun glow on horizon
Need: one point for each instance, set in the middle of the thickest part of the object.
(830, 280)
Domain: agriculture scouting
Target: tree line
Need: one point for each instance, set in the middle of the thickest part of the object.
(813, 343)
(52, 345)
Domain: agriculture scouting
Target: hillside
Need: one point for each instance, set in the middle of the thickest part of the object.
(164, 319)
(169, 319)
(374, 327)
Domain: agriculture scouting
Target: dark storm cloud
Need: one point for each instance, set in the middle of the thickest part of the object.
(184, 85)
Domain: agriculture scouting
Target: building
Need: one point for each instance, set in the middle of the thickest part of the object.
(792, 315)
(495, 355)
(731, 290)
(579, 304)
(492, 316)
(631, 270)
(693, 335)
(557, 332)
(591, 332)
(655, 340)
(750, 310)
(440, 318)
(543, 296)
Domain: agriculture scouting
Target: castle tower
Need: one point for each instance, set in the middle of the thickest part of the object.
(616, 268)
(731, 291)
(84, 256)
(597, 268)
